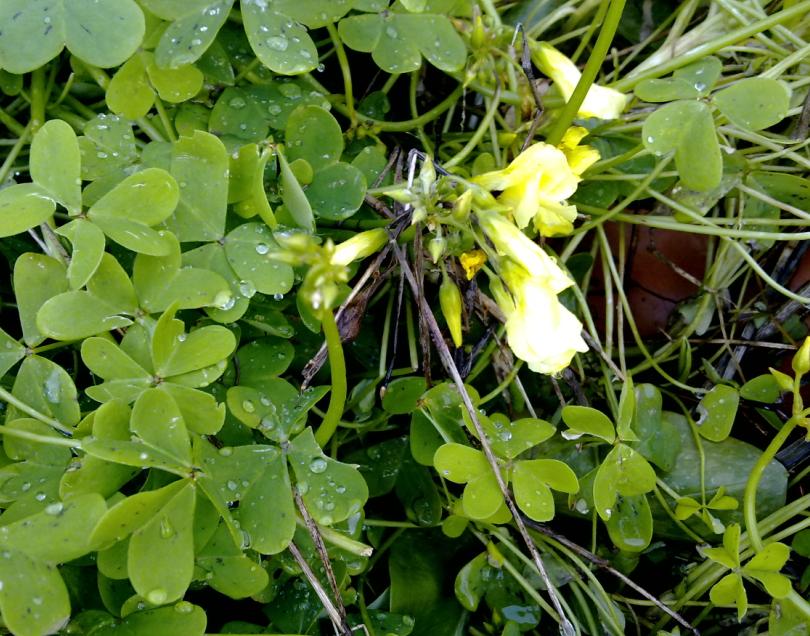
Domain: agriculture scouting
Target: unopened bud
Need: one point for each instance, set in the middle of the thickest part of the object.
(359, 246)
(427, 175)
(436, 247)
(801, 361)
(462, 206)
(450, 303)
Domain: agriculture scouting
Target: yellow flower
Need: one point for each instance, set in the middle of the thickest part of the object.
(539, 329)
(472, 261)
(580, 158)
(535, 186)
(510, 241)
(601, 102)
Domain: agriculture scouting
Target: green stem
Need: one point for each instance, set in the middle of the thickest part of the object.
(750, 494)
(340, 540)
(22, 406)
(345, 70)
(164, 119)
(477, 136)
(704, 50)
(413, 89)
(39, 439)
(337, 366)
(396, 126)
(11, 157)
(503, 385)
(37, 99)
(595, 60)
(12, 124)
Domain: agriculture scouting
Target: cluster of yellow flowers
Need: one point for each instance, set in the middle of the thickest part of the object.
(535, 188)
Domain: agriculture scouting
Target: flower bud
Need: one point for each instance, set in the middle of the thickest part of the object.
(801, 361)
(478, 35)
(450, 303)
(436, 247)
(427, 175)
(462, 206)
(359, 246)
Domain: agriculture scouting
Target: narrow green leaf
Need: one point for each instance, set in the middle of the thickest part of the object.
(157, 420)
(160, 559)
(88, 250)
(55, 163)
(293, 196)
(131, 513)
(48, 388)
(78, 314)
(36, 279)
(584, 420)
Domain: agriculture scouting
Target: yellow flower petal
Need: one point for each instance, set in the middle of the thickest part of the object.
(600, 101)
(542, 331)
(510, 241)
(536, 177)
(580, 158)
(472, 261)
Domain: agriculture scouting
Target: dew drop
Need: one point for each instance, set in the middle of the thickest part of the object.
(166, 528)
(224, 300)
(277, 43)
(156, 596)
(262, 248)
(54, 508)
(248, 406)
(237, 103)
(317, 465)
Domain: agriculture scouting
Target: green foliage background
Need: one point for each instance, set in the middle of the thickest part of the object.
(164, 472)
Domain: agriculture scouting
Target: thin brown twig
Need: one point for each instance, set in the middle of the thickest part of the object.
(566, 627)
(320, 548)
(605, 565)
(341, 626)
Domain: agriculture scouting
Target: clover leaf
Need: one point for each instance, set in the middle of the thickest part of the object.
(33, 33)
(532, 479)
(763, 567)
(337, 189)
(398, 41)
